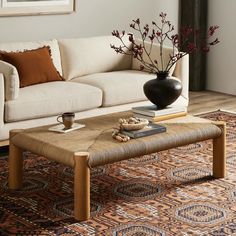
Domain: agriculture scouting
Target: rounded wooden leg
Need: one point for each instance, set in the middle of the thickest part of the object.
(219, 152)
(81, 187)
(15, 163)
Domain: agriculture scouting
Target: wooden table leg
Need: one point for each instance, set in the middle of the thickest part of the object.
(15, 163)
(219, 152)
(81, 187)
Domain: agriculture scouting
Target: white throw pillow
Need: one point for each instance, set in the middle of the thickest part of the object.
(11, 80)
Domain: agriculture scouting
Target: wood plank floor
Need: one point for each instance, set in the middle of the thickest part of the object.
(209, 101)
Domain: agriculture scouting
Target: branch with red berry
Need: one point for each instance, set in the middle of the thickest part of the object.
(187, 42)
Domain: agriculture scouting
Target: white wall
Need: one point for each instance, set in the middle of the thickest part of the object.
(92, 17)
(171, 8)
(221, 69)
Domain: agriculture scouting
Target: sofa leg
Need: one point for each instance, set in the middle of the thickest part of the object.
(219, 152)
(81, 187)
(15, 164)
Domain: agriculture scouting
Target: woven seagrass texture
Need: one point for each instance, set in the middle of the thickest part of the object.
(96, 139)
(166, 193)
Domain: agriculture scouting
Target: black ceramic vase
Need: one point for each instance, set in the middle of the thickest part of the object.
(163, 90)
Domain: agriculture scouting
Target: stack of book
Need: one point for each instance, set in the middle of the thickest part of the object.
(154, 115)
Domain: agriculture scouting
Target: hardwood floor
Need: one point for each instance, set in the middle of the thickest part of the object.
(209, 101)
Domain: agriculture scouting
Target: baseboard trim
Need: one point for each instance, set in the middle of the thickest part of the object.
(4, 143)
(227, 111)
(205, 112)
(214, 110)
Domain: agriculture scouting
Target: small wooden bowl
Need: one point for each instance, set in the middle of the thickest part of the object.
(138, 126)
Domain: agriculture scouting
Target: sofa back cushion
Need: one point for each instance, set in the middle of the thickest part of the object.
(34, 66)
(85, 56)
(155, 55)
(20, 47)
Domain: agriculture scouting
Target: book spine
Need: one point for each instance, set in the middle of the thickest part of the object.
(160, 112)
(145, 113)
(143, 116)
(161, 118)
(151, 132)
(145, 133)
(168, 117)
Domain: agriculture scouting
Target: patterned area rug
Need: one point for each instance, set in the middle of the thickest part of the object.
(167, 193)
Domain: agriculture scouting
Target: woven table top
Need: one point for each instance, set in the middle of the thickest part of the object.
(96, 139)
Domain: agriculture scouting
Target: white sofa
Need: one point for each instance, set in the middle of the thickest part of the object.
(98, 81)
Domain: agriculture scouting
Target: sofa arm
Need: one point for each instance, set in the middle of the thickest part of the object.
(11, 80)
(2, 100)
(182, 72)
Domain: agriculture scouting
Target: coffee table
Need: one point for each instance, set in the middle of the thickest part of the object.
(93, 146)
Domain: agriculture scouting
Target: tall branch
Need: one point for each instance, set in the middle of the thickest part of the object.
(144, 47)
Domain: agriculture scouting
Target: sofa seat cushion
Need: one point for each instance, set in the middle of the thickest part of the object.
(43, 100)
(118, 87)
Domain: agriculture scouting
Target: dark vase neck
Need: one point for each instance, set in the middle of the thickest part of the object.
(162, 75)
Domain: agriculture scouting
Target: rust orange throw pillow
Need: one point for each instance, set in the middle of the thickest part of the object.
(34, 66)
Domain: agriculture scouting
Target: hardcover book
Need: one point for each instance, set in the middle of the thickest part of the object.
(161, 118)
(153, 111)
(150, 129)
